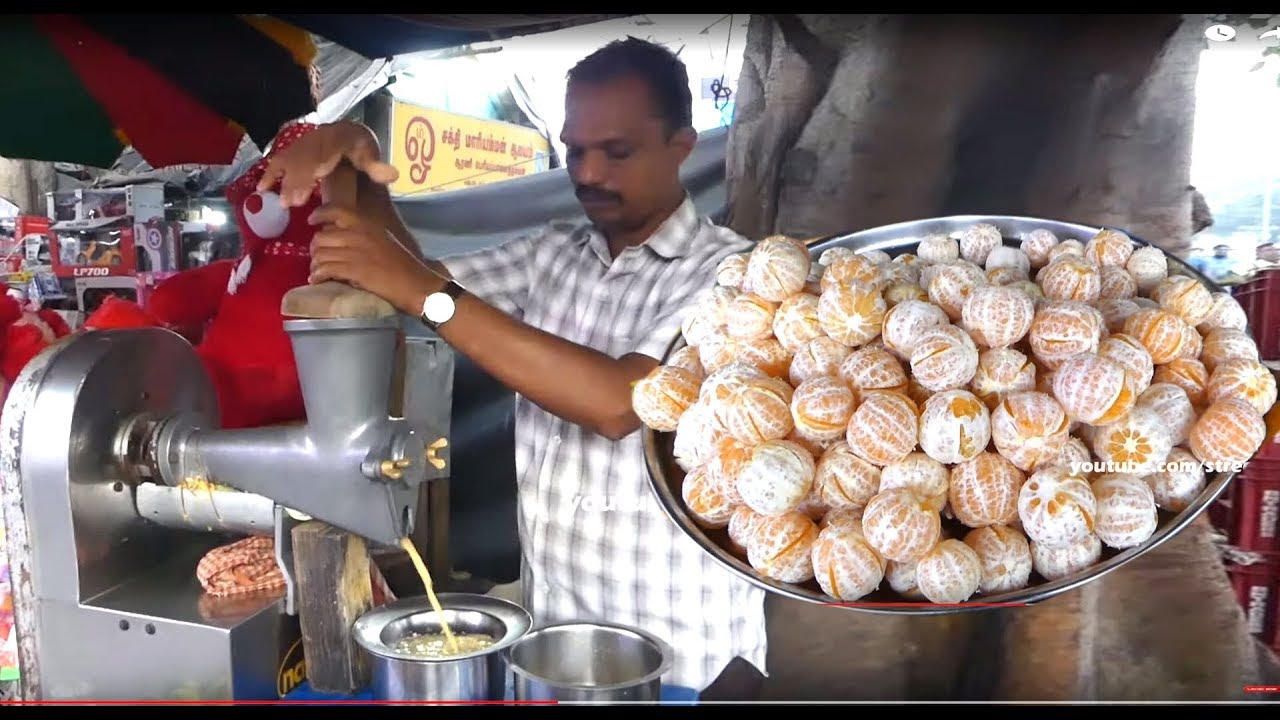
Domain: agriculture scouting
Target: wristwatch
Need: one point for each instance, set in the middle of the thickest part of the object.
(439, 306)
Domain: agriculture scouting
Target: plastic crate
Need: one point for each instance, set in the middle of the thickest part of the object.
(1255, 508)
(1260, 298)
(1221, 511)
(1257, 588)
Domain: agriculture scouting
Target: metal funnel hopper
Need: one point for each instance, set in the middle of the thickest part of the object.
(345, 368)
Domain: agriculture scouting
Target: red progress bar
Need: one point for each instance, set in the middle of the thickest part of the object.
(926, 604)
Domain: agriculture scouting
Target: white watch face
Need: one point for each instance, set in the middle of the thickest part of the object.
(438, 307)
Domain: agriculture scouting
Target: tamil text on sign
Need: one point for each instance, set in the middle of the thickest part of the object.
(437, 151)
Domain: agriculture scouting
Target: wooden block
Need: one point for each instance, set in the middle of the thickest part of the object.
(334, 590)
(335, 299)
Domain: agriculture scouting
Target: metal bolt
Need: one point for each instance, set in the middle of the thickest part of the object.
(389, 470)
(437, 462)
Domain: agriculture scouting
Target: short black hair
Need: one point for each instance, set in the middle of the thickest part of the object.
(661, 69)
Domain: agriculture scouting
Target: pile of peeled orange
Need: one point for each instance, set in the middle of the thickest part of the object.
(960, 422)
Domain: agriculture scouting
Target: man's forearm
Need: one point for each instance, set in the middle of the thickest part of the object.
(568, 380)
(571, 381)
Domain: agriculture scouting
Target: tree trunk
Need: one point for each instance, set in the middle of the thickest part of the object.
(25, 182)
(849, 122)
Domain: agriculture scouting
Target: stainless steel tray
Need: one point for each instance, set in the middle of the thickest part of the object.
(666, 476)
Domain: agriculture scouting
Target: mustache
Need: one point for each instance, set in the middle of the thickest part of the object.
(586, 193)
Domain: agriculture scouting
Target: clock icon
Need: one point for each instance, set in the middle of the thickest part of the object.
(1220, 33)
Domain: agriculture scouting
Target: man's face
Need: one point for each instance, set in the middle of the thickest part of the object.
(623, 166)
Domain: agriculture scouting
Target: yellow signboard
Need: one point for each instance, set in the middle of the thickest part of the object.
(437, 151)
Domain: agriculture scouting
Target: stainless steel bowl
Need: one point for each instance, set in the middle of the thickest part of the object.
(477, 676)
(589, 662)
(666, 476)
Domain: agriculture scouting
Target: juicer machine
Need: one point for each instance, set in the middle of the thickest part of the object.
(100, 433)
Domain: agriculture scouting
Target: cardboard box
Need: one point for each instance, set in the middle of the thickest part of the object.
(141, 202)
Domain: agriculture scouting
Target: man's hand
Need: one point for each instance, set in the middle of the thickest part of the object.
(313, 156)
(361, 252)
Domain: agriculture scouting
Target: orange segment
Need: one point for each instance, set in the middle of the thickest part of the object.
(820, 409)
(946, 358)
(997, 316)
(759, 411)
(1247, 380)
(954, 427)
(1093, 390)
(1071, 278)
(749, 317)
(781, 547)
(851, 270)
(709, 507)
(1229, 432)
(821, 356)
(884, 428)
(845, 565)
(662, 396)
(1057, 507)
(950, 573)
(777, 268)
(795, 324)
(873, 369)
(1127, 514)
(1109, 248)
(1005, 558)
(1160, 332)
(984, 490)
(1188, 374)
(1029, 429)
(845, 481)
(900, 525)
(950, 285)
(851, 314)
(1063, 329)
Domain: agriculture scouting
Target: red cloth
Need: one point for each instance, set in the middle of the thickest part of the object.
(23, 335)
(244, 345)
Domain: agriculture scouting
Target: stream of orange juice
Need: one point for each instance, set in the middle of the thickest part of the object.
(408, 546)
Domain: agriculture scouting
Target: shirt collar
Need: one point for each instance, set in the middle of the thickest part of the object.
(673, 238)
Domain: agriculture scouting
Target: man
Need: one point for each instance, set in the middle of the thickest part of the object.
(1266, 255)
(1217, 267)
(569, 319)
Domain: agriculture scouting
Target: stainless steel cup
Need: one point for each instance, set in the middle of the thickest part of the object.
(478, 676)
(589, 662)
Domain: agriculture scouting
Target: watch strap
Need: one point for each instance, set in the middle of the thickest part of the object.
(453, 289)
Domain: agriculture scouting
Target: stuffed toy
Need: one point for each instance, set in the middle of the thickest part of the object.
(243, 346)
(24, 332)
